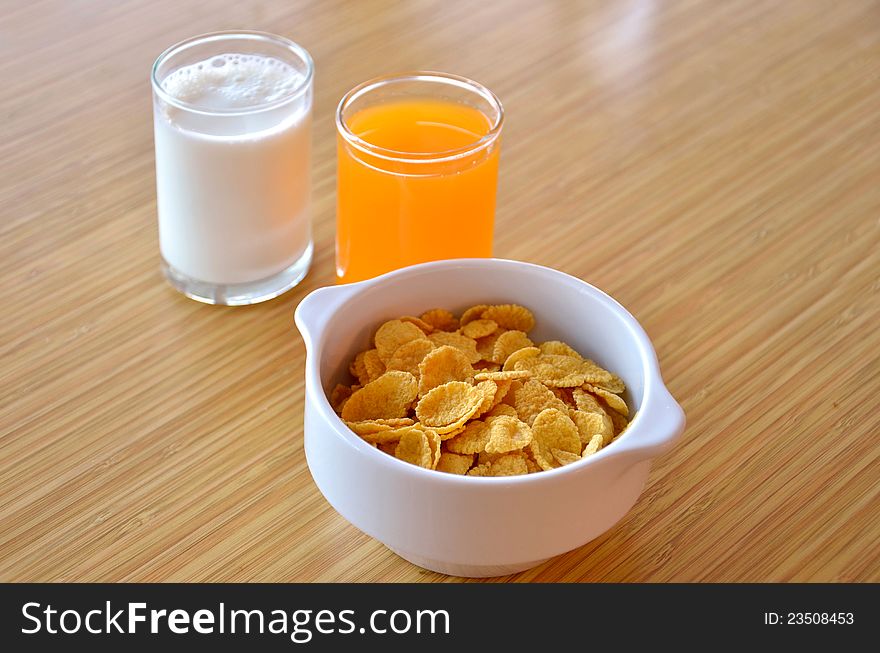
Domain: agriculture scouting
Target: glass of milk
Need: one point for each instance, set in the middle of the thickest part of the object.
(232, 119)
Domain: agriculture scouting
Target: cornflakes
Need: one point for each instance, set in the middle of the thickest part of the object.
(564, 457)
(339, 395)
(479, 328)
(440, 319)
(414, 448)
(373, 365)
(614, 402)
(488, 389)
(501, 409)
(454, 463)
(477, 396)
(510, 316)
(443, 365)
(409, 355)
(593, 445)
(419, 322)
(518, 355)
(553, 429)
(392, 335)
(558, 348)
(589, 424)
(507, 434)
(448, 406)
(473, 313)
(470, 441)
(389, 396)
(507, 343)
(468, 346)
(532, 398)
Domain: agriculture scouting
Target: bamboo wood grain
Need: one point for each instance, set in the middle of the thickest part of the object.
(714, 166)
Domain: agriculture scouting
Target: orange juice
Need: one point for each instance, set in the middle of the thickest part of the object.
(419, 185)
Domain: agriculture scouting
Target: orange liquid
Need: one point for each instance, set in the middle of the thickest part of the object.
(393, 214)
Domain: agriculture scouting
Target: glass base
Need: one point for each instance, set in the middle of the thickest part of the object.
(239, 294)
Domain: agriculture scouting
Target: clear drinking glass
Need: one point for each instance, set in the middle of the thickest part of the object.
(232, 123)
(417, 172)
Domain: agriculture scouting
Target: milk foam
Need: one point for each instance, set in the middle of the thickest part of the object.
(232, 81)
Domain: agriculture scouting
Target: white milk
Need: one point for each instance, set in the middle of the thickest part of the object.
(233, 183)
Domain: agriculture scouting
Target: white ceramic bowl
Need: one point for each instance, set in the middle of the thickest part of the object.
(472, 526)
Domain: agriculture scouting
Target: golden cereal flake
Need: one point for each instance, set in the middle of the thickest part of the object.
(379, 436)
(593, 445)
(485, 366)
(532, 466)
(479, 328)
(434, 443)
(619, 421)
(564, 395)
(373, 364)
(484, 457)
(414, 448)
(473, 313)
(554, 370)
(564, 457)
(518, 355)
(486, 345)
(623, 427)
(359, 370)
(392, 335)
(615, 384)
(508, 343)
(532, 398)
(470, 441)
(488, 390)
(382, 437)
(448, 406)
(501, 409)
(611, 400)
(513, 464)
(339, 395)
(589, 424)
(503, 387)
(446, 434)
(480, 470)
(595, 374)
(455, 463)
(388, 447)
(510, 397)
(440, 319)
(468, 346)
(553, 429)
(367, 426)
(442, 365)
(507, 434)
(510, 316)
(419, 322)
(586, 402)
(388, 397)
(559, 348)
(496, 376)
(409, 355)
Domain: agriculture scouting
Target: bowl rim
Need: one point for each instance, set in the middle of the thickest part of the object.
(626, 443)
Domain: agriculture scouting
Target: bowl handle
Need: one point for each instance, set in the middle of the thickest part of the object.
(667, 425)
(315, 310)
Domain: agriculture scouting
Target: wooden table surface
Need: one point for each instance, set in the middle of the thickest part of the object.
(715, 166)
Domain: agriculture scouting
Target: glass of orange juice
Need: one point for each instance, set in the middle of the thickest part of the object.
(417, 172)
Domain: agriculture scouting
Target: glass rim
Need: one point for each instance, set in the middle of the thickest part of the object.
(232, 35)
(399, 156)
